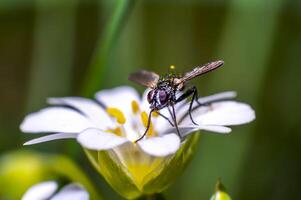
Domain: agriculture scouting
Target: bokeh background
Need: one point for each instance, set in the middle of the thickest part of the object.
(58, 48)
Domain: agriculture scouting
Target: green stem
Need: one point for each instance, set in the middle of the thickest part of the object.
(96, 73)
(100, 60)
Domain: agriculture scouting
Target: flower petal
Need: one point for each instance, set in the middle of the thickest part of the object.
(119, 97)
(226, 113)
(144, 104)
(72, 191)
(214, 128)
(184, 108)
(186, 130)
(41, 191)
(88, 107)
(218, 97)
(160, 146)
(57, 136)
(55, 119)
(96, 139)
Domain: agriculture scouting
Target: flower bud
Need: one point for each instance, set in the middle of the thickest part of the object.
(220, 192)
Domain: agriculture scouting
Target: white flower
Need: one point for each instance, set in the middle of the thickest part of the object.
(119, 117)
(49, 190)
(124, 117)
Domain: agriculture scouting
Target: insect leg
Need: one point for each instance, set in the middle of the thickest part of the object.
(166, 118)
(147, 127)
(170, 113)
(190, 92)
(194, 97)
(209, 100)
(175, 119)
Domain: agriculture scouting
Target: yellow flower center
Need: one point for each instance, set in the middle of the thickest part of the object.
(120, 118)
(116, 113)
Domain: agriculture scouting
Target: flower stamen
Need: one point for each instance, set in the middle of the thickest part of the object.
(117, 131)
(144, 118)
(155, 114)
(135, 107)
(116, 113)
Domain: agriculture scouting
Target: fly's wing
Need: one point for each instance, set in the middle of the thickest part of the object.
(145, 78)
(201, 70)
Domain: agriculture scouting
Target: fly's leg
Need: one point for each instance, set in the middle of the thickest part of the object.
(175, 119)
(166, 118)
(147, 127)
(190, 92)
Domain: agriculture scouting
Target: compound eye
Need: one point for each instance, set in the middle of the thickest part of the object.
(163, 97)
(150, 96)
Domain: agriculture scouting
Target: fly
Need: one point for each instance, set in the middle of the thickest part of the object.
(164, 90)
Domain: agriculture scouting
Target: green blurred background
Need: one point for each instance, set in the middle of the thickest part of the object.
(66, 48)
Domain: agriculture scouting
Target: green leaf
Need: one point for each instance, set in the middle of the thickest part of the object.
(104, 48)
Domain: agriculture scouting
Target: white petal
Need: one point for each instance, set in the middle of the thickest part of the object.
(186, 130)
(41, 191)
(223, 113)
(213, 128)
(120, 97)
(161, 146)
(226, 113)
(218, 96)
(57, 136)
(55, 119)
(96, 139)
(144, 105)
(90, 108)
(183, 109)
(72, 192)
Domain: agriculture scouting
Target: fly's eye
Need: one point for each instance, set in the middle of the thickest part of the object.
(150, 96)
(163, 97)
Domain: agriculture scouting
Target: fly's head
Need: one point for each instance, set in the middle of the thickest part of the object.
(160, 96)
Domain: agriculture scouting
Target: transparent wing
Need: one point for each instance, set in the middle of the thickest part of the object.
(145, 78)
(202, 70)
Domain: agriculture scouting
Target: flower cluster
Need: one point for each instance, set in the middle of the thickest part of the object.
(108, 127)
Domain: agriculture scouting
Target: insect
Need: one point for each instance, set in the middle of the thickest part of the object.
(164, 90)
